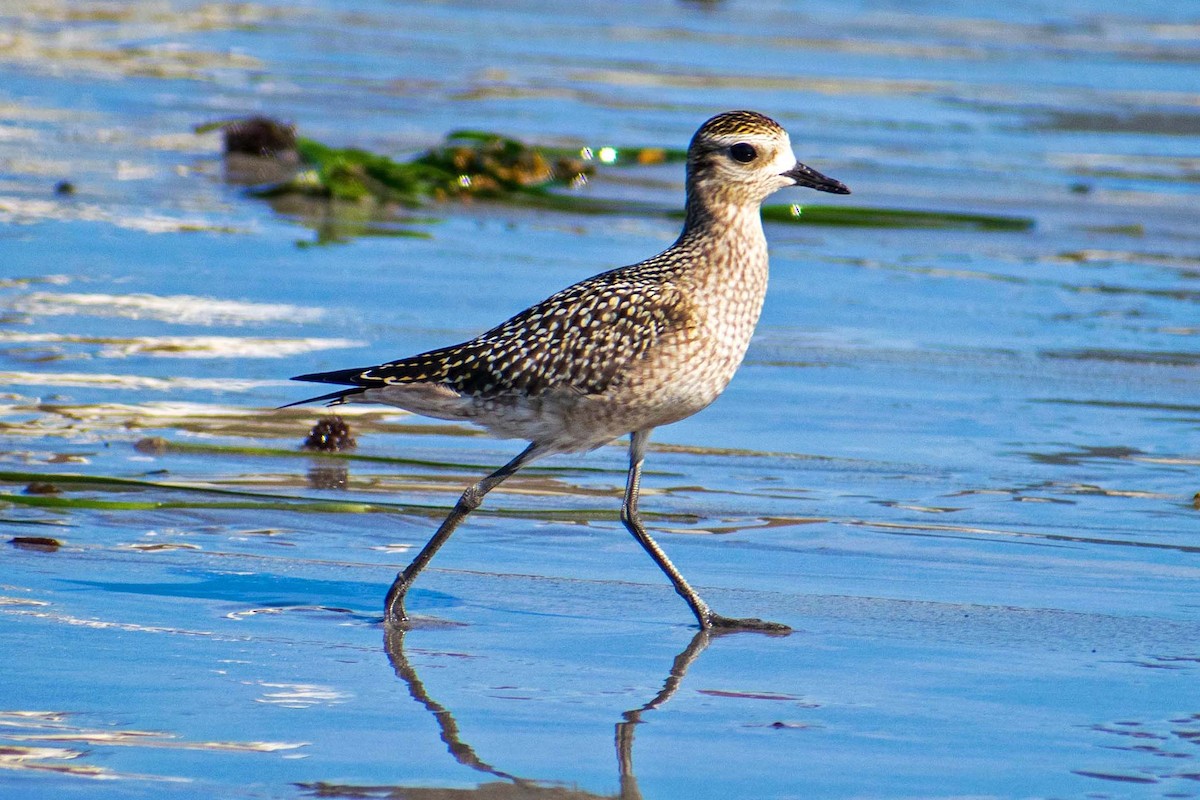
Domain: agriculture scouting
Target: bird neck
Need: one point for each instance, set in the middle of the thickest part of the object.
(713, 220)
(726, 260)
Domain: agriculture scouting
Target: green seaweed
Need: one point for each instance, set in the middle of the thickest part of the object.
(468, 163)
(353, 174)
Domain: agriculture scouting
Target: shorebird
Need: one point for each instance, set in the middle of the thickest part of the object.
(620, 353)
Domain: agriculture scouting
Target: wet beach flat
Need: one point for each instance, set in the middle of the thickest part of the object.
(961, 458)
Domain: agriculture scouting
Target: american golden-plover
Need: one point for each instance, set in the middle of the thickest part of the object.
(620, 353)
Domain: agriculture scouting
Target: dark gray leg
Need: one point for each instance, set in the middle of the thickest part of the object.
(393, 607)
(629, 515)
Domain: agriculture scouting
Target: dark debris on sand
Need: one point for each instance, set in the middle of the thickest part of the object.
(330, 435)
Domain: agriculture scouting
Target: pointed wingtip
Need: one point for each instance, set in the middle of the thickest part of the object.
(345, 377)
(333, 398)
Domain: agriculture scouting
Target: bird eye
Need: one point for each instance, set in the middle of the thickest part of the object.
(743, 152)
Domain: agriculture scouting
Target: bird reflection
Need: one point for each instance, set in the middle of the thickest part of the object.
(514, 788)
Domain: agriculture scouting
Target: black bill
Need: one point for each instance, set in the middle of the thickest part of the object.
(807, 176)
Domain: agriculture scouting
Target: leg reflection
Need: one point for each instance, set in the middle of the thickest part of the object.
(629, 787)
(393, 643)
(524, 788)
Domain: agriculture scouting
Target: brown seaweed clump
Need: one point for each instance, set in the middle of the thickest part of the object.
(258, 150)
(330, 435)
(260, 136)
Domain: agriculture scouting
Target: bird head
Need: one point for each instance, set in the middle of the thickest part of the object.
(745, 156)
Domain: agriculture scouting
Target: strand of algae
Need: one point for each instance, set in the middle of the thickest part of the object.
(44, 501)
(318, 507)
(865, 217)
(480, 164)
(158, 445)
(264, 501)
(841, 216)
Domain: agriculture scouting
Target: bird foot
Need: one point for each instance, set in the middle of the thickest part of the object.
(719, 624)
(401, 623)
(413, 623)
(394, 615)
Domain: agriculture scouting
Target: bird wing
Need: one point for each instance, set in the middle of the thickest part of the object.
(582, 338)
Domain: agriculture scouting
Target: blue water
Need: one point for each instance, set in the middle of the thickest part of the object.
(960, 463)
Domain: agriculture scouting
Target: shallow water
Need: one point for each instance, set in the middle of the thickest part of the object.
(960, 463)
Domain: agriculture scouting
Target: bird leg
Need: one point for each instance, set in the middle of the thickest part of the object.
(708, 619)
(393, 607)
